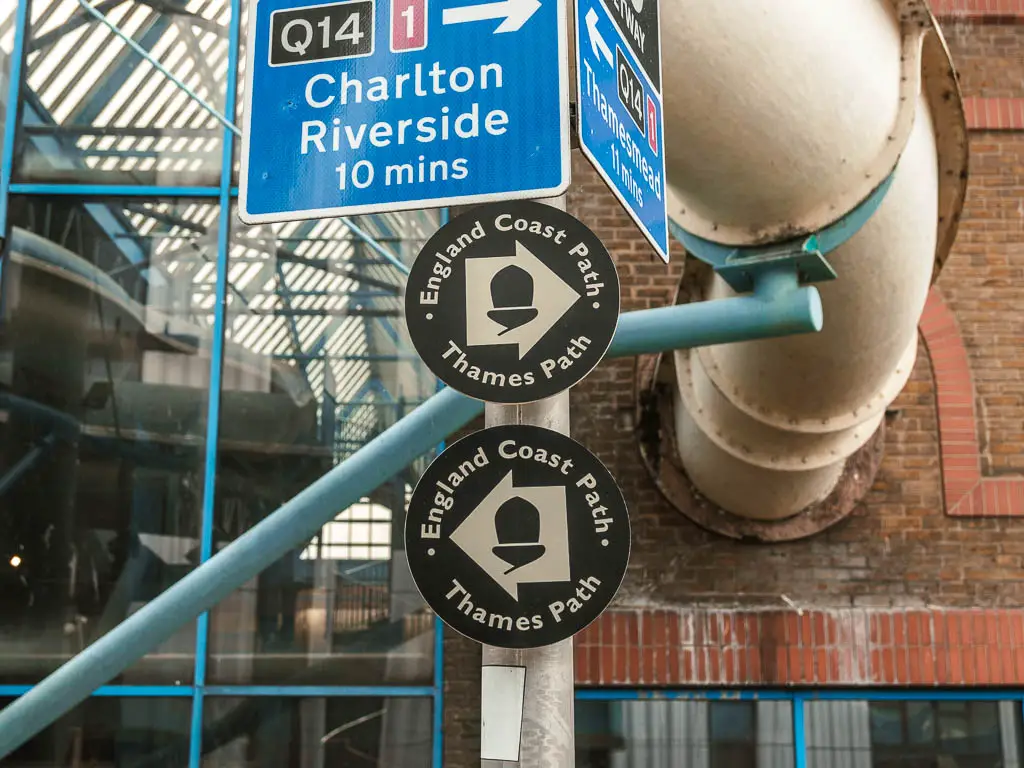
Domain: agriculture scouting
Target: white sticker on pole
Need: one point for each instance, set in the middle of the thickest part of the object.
(502, 690)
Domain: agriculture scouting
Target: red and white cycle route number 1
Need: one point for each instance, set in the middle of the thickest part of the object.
(652, 126)
(408, 25)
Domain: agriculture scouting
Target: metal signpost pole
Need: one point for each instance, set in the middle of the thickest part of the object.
(547, 739)
(518, 536)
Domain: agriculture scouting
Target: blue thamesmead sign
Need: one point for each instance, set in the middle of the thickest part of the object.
(366, 106)
(618, 72)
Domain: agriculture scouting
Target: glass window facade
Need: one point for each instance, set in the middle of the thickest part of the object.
(99, 439)
(915, 734)
(169, 377)
(694, 733)
(256, 732)
(268, 732)
(109, 731)
(763, 730)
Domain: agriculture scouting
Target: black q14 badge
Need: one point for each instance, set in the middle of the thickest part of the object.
(512, 302)
(517, 536)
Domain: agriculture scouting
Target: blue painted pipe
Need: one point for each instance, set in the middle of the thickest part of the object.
(778, 307)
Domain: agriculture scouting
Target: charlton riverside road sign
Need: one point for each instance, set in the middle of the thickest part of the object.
(365, 106)
(512, 302)
(517, 536)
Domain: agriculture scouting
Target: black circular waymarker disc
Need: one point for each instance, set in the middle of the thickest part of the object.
(512, 302)
(517, 536)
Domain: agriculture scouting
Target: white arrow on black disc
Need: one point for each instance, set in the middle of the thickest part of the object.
(552, 298)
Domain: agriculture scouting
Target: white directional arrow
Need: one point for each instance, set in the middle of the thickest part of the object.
(514, 12)
(477, 536)
(552, 298)
(596, 41)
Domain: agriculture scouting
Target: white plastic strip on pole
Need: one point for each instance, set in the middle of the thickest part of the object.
(502, 694)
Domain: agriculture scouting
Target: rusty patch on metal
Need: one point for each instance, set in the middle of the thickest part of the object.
(942, 89)
(657, 442)
(656, 437)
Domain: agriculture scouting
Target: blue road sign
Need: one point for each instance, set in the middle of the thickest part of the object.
(365, 106)
(620, 115)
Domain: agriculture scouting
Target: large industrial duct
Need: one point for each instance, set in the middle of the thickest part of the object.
(784, 118)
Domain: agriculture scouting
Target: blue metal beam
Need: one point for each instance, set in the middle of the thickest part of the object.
(315, 691)
(115, 76)
(293, 327)
(371, 346)
(357, 400)
(371, 241)
(390, 330)
(799, 733)
(347, 358)
(26, 463)
(76, 20)
(117, 691)
(216, 376)
(774, 311)
(113, 190)
(17, 61)
(380, 387)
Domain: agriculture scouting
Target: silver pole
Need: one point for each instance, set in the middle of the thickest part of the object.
(548, 739)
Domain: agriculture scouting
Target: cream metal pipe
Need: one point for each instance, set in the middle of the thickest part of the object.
(789, 115)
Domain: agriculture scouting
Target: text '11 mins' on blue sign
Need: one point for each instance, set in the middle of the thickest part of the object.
(366, 106)
(618, 72)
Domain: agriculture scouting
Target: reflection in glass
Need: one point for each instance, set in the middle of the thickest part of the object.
(838, 734)
(913, 734)
(957, 734)
(113, 733)
(6, 43)
(361, 532)
(733, 734)
(694, 734)
(104, 369)
(316, 315)
(317, 733)
(92, 110)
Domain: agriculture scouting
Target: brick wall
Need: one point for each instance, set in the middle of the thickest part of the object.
(839, 646)
(922, 584)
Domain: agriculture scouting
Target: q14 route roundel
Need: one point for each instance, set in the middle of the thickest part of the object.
(512, 302)
(517, 536)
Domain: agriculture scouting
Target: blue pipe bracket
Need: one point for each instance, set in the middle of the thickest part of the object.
(778, 307)
(740, 266)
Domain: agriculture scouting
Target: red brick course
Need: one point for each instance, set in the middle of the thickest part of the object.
(986, 10)
(818, 647)
(994, 114)
(966, 492)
